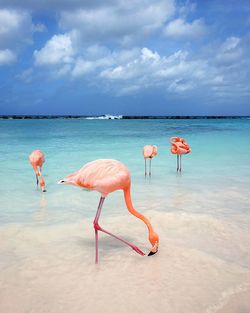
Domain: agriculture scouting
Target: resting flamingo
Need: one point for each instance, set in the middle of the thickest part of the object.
(148, 153)
(179, 147)
(37, 159)
(106, 176)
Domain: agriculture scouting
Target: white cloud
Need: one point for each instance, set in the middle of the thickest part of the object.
(125, 71)
(230, 44)
(186, 8)
(147, 54)
(16, 31)
(7, 57)
(230, 51)
(180, 29)
(98, 58)
(128, 71)
(62, 71)
(82, 67)
(180, 86)
(15, 28)
(123, 22)
(148, 69)
(58, 50)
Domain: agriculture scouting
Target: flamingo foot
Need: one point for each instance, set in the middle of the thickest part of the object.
(136, 249)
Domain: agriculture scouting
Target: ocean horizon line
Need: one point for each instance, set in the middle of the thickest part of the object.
(107, 116)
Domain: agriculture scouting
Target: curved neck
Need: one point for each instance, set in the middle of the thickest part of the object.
(35, 169)
(38, 173)
(132, 210)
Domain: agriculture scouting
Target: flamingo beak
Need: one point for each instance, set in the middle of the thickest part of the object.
(61, 182)
(152, 253)
(154, 249)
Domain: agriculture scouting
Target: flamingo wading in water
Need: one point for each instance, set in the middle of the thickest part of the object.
(37, 159)
(179, 146)
(106, 176)
(148, 153)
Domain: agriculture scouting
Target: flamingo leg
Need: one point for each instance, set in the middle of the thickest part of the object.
(37, 180)
(99, 228)
(96, 246)
(145, 167)
(96, 228)
(150, 166)
(180, 163)
(177, 169)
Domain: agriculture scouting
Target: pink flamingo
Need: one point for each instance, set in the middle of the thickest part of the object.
(179, 147)
(148, 153)
(37, 159)
(106, 176)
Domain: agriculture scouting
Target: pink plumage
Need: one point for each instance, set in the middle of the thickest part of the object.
(179, 147)
(37, 158)
(104, 176)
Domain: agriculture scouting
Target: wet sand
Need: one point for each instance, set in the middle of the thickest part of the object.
(238, 303)
(50, 268)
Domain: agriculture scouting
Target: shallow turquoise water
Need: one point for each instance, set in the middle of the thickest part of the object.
(215, 178)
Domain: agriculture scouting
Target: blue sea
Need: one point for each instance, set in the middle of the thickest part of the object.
(201, 214)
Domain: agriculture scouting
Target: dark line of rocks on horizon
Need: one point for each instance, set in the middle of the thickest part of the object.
(124, 117)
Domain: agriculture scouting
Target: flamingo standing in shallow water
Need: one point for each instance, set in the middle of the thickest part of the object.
(148, 153)
(106, 176)
(37, 159)
(179, 147)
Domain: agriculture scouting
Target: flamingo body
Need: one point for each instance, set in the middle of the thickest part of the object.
(105, 176)
(149, 151)
(179, 146)
(37, 158)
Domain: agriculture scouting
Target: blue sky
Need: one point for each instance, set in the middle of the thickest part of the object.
(140, 57)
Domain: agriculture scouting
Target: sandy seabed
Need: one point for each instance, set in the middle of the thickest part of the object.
(202, 267)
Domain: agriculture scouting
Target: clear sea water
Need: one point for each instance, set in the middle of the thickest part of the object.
(215, 177)
(201, 215)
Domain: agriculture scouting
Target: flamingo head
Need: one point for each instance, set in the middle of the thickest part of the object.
(64, 181)
(69, 180)
(154, 239)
